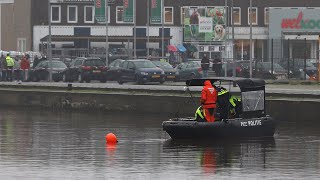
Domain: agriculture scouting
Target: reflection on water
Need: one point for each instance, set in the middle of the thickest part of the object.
(49, 145)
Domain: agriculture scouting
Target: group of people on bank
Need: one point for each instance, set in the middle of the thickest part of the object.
(217, 101)
(216, 66)
(14, 69)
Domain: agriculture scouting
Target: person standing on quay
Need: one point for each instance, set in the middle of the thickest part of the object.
(3, 67)
(10, 64)
(205, 66)
(25, 66)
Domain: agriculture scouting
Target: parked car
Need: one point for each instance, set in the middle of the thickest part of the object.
(263, 70)
(242, 68)
(86, 69)
(171, 74)
(41, 71)
(112, 72)
(189, 70)
(140, 71)
(297, 68)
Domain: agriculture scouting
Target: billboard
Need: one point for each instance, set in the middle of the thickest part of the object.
(204, 24)
(156, 11)
(128, 8)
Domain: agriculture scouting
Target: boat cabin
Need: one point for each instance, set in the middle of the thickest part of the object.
(252, 94)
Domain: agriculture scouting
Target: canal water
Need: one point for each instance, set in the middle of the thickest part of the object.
(43, 144)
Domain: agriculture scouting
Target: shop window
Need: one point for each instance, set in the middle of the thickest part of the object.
(246, 49)
(119, 15)
(72, 14)
(56, 14)
(88, 14)
(236, 15)
(254, 16)
(238, 49)
(168, 15)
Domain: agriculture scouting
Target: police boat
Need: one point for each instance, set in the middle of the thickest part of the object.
(252, 121)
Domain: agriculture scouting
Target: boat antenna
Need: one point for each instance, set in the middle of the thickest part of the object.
(186, 88)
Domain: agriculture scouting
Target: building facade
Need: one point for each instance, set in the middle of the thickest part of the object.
(16, 26)
(74, 25)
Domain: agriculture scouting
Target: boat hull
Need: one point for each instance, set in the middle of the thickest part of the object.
(233, 128)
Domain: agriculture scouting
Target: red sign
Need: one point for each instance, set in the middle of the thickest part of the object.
(300, 23)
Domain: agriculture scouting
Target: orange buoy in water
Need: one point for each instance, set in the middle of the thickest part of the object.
(111, 138)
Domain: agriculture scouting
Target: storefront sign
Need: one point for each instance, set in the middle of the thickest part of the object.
(128, 8)
(300, 23)
(156, 12)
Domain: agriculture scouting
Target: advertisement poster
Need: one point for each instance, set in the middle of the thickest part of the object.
(156, 12)
(100, 11)
(128, 6)
(204, 24)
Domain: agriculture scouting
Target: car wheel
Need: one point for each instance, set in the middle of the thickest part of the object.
(192, 76)
(103, 80)
(138, 80)
(88, 80)
(34, 79)
(80, 78)
(120, 81)
(64, 78)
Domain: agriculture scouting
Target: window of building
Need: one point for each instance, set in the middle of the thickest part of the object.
(236, 15)
(254, 16)
(88, 14)
(72, 14)
(168, 15)
(266, 16)
(119, 14)
(22, 45)
(56, 14)
(182, 15)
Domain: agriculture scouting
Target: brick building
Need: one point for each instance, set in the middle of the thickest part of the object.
(73, 25)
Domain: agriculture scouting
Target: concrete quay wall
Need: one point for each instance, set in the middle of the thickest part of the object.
(169, 102)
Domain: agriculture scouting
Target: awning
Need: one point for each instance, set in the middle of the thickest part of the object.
(92, 38)
(190, 47)
(172, 48)
(181, 48)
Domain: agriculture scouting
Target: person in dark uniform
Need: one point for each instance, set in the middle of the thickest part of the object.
(217, 66)
(228, 106)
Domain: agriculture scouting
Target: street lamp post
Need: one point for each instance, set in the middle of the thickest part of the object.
(49, 42)
(233, 43)
(148, 26)
(134, 30)
(162, 19)
(107, 32)
(250, 38)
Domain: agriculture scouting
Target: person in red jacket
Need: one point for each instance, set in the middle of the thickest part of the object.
(208, 100)
(25, 66)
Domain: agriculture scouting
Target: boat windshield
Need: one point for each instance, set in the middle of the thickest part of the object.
(252, 101)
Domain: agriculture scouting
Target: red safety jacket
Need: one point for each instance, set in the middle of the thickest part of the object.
(208, 95)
